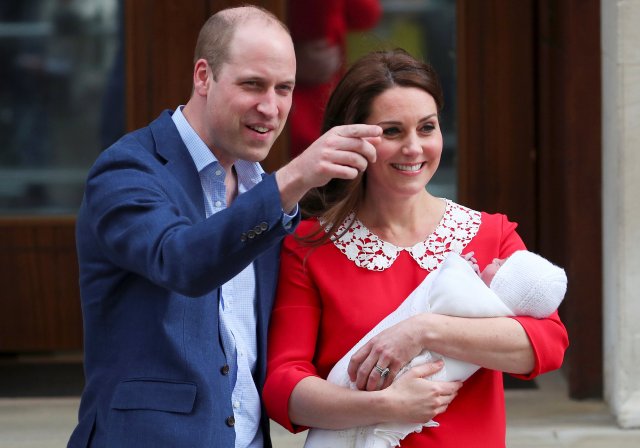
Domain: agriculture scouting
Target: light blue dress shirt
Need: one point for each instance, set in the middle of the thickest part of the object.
(237, 305)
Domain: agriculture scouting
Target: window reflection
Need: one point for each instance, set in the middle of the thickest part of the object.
(60, 61)
(427, 30)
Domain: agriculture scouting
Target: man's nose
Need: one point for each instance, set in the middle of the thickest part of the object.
(268, 104)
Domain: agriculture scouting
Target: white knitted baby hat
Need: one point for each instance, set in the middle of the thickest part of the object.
(530, 284)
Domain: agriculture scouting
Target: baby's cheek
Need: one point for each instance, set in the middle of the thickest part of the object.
(488, 274)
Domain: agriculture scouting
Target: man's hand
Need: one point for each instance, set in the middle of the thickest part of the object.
(342, 152)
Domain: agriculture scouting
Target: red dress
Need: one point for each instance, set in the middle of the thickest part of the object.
(326, 303)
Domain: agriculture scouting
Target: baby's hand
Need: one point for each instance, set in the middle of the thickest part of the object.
(472, 261)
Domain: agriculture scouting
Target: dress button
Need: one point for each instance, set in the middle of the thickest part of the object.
(230, 421)
(224, 369)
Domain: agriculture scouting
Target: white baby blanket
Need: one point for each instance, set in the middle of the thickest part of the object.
(454, 289)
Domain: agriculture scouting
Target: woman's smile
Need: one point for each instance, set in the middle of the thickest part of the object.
(412, 168)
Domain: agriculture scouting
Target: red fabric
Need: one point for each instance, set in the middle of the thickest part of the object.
(330, 20)
(325, 304)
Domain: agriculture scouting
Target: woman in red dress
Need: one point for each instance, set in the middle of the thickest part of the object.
(368, 244)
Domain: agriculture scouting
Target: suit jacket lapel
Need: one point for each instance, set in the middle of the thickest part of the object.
(169, 145)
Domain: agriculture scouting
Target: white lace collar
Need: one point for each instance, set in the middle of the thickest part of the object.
(457, 228)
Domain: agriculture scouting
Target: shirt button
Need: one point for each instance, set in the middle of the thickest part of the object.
(224, 369)
(218, 172)
(217, 203)
(230, 421)
(236, 404)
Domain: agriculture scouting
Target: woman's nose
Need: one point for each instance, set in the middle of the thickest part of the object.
(411, 146)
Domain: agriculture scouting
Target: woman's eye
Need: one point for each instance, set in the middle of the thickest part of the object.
(391, 132)
(429, 127)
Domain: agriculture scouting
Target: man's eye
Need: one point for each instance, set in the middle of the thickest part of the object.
(285, 89)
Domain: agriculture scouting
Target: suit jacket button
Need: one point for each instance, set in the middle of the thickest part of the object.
(224, 369)
(258, 230)
(251, 234)
(230, 421)
(264, 226)
(243, 237)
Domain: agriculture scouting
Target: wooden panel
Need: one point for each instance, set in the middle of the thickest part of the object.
(530, 146)
(161, 37)
(497, 166)
(570, 176)
(40, 300)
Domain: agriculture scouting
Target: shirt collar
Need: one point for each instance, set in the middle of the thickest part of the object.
(457, 227)
(249, 173)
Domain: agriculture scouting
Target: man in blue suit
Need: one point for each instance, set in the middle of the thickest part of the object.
(178, 241)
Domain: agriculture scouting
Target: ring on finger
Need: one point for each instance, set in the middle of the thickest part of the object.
(382, 371)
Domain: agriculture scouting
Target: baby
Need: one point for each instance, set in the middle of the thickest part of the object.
(529, 284)
(524, 284)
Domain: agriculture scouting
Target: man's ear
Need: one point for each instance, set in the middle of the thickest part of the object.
(202, 76)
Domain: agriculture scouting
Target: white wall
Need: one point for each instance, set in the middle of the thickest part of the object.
(620, 28)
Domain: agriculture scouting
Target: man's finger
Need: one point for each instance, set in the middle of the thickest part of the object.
(359, 130)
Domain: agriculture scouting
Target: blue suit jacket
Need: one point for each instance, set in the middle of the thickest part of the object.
(151, 268)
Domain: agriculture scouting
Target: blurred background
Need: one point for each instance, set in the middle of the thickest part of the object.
(540, 122)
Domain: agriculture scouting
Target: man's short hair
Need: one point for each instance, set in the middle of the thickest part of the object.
(216, 34)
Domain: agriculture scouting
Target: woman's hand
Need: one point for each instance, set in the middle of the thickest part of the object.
(391, 349)
(317, 403)
(416, 400)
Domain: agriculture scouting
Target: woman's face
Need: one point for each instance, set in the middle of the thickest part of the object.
(409, 152)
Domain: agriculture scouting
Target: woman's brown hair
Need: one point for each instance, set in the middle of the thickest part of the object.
(350, 103)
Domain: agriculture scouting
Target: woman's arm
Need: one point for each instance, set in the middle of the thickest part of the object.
(521, 345)
(498, 343)
(317, 403)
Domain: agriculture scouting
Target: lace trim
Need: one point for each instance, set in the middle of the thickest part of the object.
(457, 228)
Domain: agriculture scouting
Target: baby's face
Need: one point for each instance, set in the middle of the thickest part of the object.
(490, 270)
